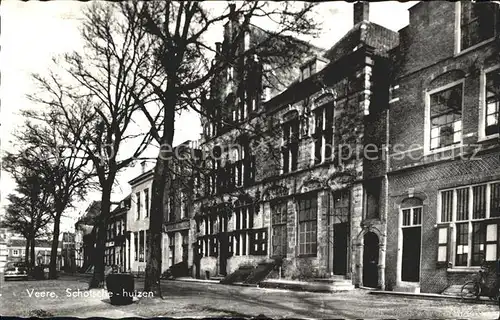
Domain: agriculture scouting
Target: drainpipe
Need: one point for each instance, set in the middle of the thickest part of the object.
(386, 204)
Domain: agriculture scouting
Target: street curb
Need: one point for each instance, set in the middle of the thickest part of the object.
(240, 284)
(433, 296)
(196, 280)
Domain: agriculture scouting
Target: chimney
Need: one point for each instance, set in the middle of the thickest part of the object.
(232, 9)
(143, 166)
(361, 11)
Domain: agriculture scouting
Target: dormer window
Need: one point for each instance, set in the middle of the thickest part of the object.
(308, 69)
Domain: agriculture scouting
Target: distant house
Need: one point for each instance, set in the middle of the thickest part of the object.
(17, 249)
(85, 235)
(116, 233)
(68, 251)
(138, 222)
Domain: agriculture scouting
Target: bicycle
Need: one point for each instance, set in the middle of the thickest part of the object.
(479, 287)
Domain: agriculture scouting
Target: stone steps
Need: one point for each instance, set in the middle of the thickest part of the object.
(313, 286)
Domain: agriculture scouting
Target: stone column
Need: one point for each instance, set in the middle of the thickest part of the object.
(358, 261)
(381, 263)
(132, 251)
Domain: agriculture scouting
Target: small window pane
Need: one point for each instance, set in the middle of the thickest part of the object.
(417, 216)
(491, 232)
(442, 254)
(406, 217)
(443, 235)
(491, 252)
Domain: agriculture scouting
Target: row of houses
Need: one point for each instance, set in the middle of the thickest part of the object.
(15, 249)
(377, 162)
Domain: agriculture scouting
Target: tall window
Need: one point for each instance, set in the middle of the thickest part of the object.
(183, 205)
(172, 208)
(239, 168)
(136, 246)
(472, 210)
(492, 101)
(138, 204)
(446, 117)
(341, 200)
(290, 145)
(146, 201)
(185, 243)
(146, 249)
(372, 198)
(243, 212)
(477, 22)
(141, 246)
(279, 237)
(308, 215)
(323, 134)
(171, 249)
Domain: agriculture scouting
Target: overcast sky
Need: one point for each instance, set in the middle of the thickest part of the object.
(33, 32)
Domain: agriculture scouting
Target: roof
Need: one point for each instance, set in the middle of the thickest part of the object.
(189, 144)
(364, 33)
(143, 176)
(38, 243)
(91, 213)
(122, 207)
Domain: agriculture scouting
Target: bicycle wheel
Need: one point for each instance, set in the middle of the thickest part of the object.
(470, 290)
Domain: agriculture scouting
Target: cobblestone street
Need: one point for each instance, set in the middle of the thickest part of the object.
(190, 299)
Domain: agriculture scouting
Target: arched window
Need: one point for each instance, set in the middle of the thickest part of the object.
(290, 140)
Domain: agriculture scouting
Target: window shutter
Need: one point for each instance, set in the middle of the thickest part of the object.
(491, 242)
(230, 244)
(443, 245)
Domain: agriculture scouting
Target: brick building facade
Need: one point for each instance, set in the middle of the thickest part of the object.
(284, 193)
(444, 164)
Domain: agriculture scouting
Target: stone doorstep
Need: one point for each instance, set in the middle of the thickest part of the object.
(434, 296)
(188, 279)
(306, 286)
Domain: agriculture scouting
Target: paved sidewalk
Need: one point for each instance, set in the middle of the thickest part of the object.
(482, 300)
(190, 299)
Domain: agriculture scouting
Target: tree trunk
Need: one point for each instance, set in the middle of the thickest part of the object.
(98, 252)
(27, 251)
(32, 252)
(55, 245)
(154, 258)
(161, 174)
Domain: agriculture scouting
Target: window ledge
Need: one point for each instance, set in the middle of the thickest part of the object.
(487, 138)
(463, 270)
(443, 149)
(480, 44)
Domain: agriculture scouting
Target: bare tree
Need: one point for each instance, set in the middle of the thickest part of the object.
(94, 97)
(29, 210)
(184, 53)
(55, 157)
